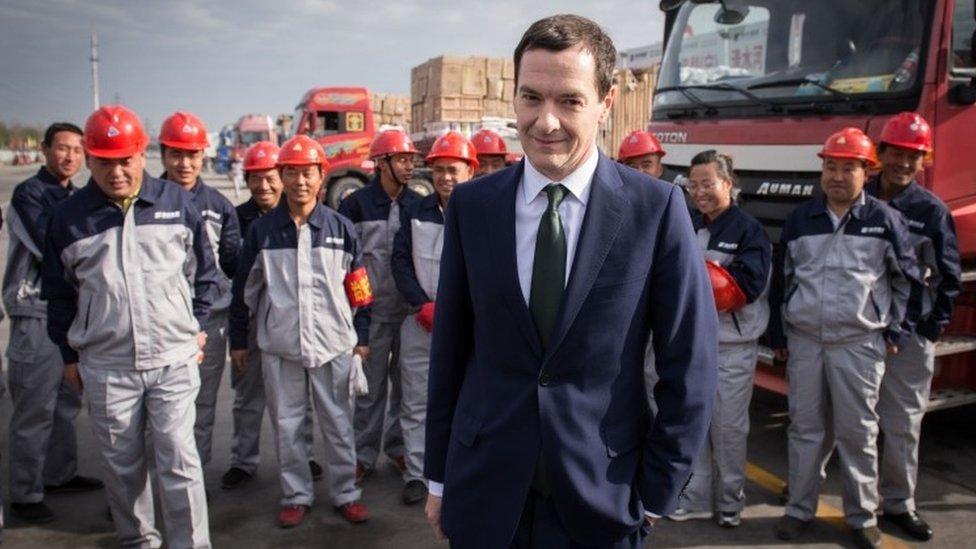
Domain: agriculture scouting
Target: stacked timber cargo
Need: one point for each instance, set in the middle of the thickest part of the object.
(390, 109)
(461, 90)
(631, 110)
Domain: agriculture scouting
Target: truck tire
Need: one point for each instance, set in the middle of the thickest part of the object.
(421, 186)
(341, 188)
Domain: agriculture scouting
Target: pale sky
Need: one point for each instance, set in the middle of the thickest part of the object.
(221, 59)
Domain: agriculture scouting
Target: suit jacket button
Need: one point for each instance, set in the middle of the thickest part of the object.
(545, 380)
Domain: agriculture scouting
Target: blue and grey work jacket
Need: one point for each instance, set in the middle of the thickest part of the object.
(737, 242)
(223, 234)
(845, 284)
(292, 279)
(30, 209)
(128, 290)
(377, 220)
(417, 251)
(933, 236)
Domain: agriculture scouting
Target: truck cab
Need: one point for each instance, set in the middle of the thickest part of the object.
(768, 80)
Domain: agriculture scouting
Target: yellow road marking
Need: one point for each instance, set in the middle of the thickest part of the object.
(825, 512)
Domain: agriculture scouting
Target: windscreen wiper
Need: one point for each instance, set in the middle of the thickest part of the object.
(710, 110)
(799, 82)
(725, 86)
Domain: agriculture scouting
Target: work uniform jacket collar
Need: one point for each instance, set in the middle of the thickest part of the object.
(901, 200)
(716, 225)
(45, 176)
(148, 192)
(315, 219)
(820, 206)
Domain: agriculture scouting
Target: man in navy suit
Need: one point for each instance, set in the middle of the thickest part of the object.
(554, 274)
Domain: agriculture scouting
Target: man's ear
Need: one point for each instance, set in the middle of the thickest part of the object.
(608, 103)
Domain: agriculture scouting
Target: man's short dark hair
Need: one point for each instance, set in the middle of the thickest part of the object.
(561, 32)
(59, 127)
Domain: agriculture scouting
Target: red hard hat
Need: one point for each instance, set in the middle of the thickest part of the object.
(454, 145)
(908, 130)
(113, 131)
(182, 130)
(302, 150)
(489, 143)
(262, 155)
(639, 143)
(728, 295)
(390, 142)
(850, 143)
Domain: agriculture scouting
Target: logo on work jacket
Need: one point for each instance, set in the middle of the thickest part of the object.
(728, 245)
(872, 230)
(335, 240)
(166, 215)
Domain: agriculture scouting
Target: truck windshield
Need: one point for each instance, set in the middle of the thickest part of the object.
(250, 138)
(792, 51)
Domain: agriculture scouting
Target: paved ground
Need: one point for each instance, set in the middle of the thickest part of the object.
(246, 518)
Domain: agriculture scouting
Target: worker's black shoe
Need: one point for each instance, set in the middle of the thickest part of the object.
(77, 484)
(234, 477)
(789, 528)
(867, 538)
(912, 524)
(316, 469)
(784, 495)
(415, 491)
(34, 513)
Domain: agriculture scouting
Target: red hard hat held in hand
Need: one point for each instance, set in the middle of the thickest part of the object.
(262, 155)
(850, 143)
(639, 143)
(391, 142)
(425, 317)
(302, 150)
(728, 295)
(183, 130)
(453, 145)
(489, 143)
(908, 130)
(114, 131)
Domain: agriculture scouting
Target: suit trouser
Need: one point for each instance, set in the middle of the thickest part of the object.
(122, 405)
(211, 370)
(414, 365)
(248, 413)
(904, 396)
(290, 387)
(383, 377)
(539, 527)
(718, 481)
(833, 393)
(43, 445)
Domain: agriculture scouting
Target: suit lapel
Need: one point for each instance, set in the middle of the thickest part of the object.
(600, 225)
(502, 243)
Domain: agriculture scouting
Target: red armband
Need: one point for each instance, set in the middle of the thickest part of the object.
(358, 290)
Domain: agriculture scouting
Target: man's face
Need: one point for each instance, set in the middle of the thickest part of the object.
(118, 178)
(301, 184)
(400, 165)
(265, 187)
(447, 173)
(64, 156)
(182, 166)
(489, 163)
(559, 109)
(899, 165)
(649, 164)
(842, 179)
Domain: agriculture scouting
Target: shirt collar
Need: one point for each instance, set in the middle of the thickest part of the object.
(855, 211)
(46, 176)
(578, 183)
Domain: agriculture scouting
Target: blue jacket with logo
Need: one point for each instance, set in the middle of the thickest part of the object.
(933, 236)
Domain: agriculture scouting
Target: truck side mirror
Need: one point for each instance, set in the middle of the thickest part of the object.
(963, 93)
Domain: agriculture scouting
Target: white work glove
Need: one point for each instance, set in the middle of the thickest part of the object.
(357, 378)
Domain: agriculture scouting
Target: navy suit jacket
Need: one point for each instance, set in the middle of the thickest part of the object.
(497, 398)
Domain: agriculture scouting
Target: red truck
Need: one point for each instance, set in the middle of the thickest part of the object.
(252, 128)
(340, 118)
(768, 80)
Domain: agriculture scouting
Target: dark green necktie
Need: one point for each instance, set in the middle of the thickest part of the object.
(549, 267)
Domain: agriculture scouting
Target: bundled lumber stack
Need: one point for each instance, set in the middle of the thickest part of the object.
(632, 109)
(461, 89)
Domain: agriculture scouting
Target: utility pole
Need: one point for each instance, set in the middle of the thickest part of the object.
(94, 69)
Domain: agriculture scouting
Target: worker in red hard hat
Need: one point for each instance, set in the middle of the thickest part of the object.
(182, 140)
(301, 272)
(906, 141)
(43, 445)
(264, 182)
(129, 276)
(838, 309)
(642, 151)
(739, 257)
(416, 268)
(491, 150)
(376, 210)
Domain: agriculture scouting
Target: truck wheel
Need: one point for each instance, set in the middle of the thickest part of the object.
(341, 188)
(421, 186)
